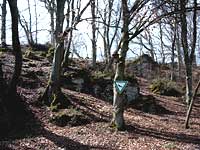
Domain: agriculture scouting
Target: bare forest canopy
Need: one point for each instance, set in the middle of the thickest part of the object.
(36, 17)
(76, 74)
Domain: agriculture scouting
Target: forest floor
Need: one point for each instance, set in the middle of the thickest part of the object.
(144, 131)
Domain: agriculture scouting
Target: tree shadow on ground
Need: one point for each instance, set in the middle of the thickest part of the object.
(149, 104)
(163, 135)
(68, 144)
(26, 125)
(90, 112)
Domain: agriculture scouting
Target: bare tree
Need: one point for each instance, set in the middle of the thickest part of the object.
(94, 44)
(68, 39)
(53, 95)
(110, 16)
(190, 100)
(27, 26)
(36, 22)
(188, 54)
(135, 19)
(50, 5)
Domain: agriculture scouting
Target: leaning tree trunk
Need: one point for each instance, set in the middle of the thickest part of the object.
(3, 24)
(189, 111)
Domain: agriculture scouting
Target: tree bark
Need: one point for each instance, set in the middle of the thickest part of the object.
(69, 37)
(16, 46)
(190, 106)
(173, 54)
(178, 48)
(118, 100)
(3, 24)
(188, 55)
(94, 45)
(53, 95)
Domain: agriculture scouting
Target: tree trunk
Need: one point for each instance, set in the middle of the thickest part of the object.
(178, 48)
(188, 82)
(36, 23)
(3, 24)
(188, 55)
(162, 44)
(52, 11)
(173, 54)
(59, 19)
(16, 46)
(70, 34)
(190, 106)
(53, 95)
(94, 46)
(30, 25)
(119, 100)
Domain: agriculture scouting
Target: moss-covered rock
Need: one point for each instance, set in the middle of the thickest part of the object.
(31, 55)
(164, 87)
(3, 49)
(71, 117)
(59, 101)
(50, 54)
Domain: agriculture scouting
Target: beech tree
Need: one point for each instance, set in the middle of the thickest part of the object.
(53, 95)
(133, 23)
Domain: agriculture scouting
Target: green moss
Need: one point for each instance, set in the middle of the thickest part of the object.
(50, 53)
(59, 101)
(42, 54)
(101, 75)
(170, 146)
(3, 49)
(30, 54)
(70, 116)
(164, 87)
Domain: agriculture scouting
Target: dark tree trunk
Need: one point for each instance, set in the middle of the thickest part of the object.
(16, 46)
(3, 24)
(94, 46)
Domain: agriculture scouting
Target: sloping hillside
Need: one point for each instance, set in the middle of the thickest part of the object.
(86, 123)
